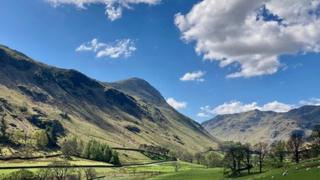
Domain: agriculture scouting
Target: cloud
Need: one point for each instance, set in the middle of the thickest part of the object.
(276, 107)
(234, 107)
(176, 104)
(113, 8)
(310, 102)
(120, 48)
(253, 34)
(203, 115)
(193, 76)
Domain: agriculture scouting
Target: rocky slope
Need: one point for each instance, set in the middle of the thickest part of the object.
(255, 126)
(125, 113)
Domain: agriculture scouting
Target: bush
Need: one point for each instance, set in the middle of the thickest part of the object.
(71, 147)
(41, 138)
(100, 152)
(213, 159)
(60, 170)
(20, 175)
(90, 173)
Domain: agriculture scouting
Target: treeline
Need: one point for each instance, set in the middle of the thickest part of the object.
(43, 139)
(3, 137)
(59, 170)
(156, 152)
(237, 158)
(155, 149)
(243, 157)
(208, 158)
(92, 150)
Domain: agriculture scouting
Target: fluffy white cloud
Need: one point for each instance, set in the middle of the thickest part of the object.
(176, 104)
(113, 8)
(312, 102)
(234, 107)
(252, 33)
(117, 49)
(203, 115)
(193, 76)
(276, 107)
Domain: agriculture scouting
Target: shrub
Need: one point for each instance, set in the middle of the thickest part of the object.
(41, 138)
(20, 175)
(95, 150)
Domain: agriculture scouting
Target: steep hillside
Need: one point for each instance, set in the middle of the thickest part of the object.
(255, 126)
(125, 113)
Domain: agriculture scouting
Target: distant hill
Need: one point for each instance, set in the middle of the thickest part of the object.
(124, 113)
(255, 126)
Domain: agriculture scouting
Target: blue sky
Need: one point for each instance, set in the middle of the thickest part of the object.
(52, 34)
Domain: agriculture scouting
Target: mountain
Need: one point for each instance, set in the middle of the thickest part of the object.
(255, 126)
(126, 113)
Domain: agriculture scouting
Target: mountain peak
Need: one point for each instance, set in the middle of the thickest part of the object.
(107, 108)
(141, 89)
(269, 126)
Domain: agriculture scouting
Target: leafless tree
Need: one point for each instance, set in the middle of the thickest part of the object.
(60, 169)
(262, 150)
(43, 174)
(295, 143)
(248, 153)
(90, 173)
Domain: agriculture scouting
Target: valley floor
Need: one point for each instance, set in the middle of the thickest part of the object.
(308, 170)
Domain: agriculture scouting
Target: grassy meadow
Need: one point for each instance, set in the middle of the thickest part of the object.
(308, 170)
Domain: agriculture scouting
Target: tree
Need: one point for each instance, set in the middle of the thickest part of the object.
(3, 127)
(177, 166)
(107, 154)
(261, 150)
(20, 175)
(278, 150)
(213, 159)
(69, 147)
(198, 156)
(90, 173)
(247, 151)
(315, 139)
(60, 169)
(18, 135)
(115, 158)
(234, 158)
(41, 138)
(295, 143)
(100, 152)
(185, 156)
(43, 174)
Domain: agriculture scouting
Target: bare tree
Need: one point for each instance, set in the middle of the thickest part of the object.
(69, 147)
(315, 139)
(262, 150)
(60, 169)
(43, 174)
(90, 173)
(247, 151)
(278, 151)
(234, 158)
(177, 166)
(295, 143)
(197, 157)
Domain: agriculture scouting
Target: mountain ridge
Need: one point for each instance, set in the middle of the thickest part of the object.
(254, 126)
(101, 110)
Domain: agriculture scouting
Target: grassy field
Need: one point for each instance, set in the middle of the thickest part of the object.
(130, 173)
(193, 174)
(47, 161)
(42, 162)
(308, 170)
